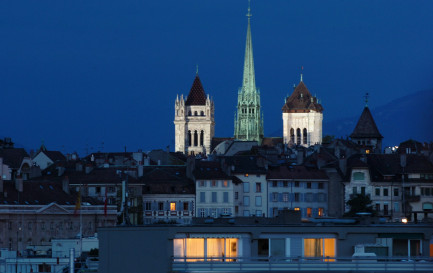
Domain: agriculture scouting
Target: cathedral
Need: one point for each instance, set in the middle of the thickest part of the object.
(194, 121)
(302, 118)
(248, 119)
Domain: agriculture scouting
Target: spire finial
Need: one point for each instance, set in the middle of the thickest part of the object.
(366, 99)
(249, 9)
(302, 70)
(196, 71)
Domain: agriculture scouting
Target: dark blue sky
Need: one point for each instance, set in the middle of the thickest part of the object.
(79, 73)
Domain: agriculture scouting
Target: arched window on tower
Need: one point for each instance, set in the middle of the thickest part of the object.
(202, 113)
(195, 113)
(189, 138)
(304, 135)
(292, 135)
(201, 137)
(195, 138)
(298, 136)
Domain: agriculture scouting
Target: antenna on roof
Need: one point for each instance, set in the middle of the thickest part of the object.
(366, 99)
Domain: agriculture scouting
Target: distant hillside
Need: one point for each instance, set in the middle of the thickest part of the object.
(409, 117)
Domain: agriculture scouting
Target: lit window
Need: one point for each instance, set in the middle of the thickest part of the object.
(320, 212)
(320, 247)
(194, 249)
(297, 209)
(172, 206)
(246, 175)
(309, 212)
(225, 183)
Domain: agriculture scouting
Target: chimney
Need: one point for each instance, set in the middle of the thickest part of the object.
(342, 163)
(190, 166)
(89, 168)
(19, 184)
(65, 184)
(300, 157)
(79, 167)
(60, 170)
(140, 170)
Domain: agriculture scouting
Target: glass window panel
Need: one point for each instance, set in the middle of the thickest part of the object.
(194, 249)
(329, 249)
(215, 248)
(179, 249)
(313, 247)
(231, 248)
(278, 247)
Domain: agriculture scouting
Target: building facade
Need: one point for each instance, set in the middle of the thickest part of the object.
(249, 119)
(194, 121)
(302, 118)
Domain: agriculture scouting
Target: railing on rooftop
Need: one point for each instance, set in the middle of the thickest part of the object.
(246, 264)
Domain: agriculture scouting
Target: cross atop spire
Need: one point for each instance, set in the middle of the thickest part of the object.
(366, 99)
(302, 70)
(249, 9)
(196, 72)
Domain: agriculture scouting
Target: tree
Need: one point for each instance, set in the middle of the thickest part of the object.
(359, 203)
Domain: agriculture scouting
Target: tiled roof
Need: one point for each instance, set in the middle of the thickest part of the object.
(302, 101)
(209, 170)
(366, 127)
(39, 192)
(413, 145)
(102, 176)
(196, 95)
(13, 157)
(166, 180)
(217, 140)
(295, 172)
(272, 141)
(247, 164)
(55, 155)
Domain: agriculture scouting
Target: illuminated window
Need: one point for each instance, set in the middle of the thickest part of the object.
(309, 212)
(320, 212)
(205, 249)
(172, 206)
(320, 247)
(225, 183)
(246, 175)
(297, 209)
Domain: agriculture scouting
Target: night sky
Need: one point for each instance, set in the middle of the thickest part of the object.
(76, 74)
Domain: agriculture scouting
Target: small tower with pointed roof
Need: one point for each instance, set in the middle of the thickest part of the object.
(249, 119)
(366, 132)
(302, 118)
(194, 121)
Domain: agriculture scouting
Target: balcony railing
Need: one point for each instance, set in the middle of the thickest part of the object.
(239, 264)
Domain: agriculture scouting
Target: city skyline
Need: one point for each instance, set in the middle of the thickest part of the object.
(79, 75)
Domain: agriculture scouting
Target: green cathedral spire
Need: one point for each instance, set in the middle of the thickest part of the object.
(249, 120)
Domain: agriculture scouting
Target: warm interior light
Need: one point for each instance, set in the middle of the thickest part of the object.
(172, 206)
(297, 209)
(404, 220)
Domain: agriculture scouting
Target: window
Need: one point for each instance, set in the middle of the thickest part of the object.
(259, 213)
(185, 206)
(258, 201)
(320, 186)
(236, 195)
(385, 209)
(202, 183)
(354, 190)
(213, 183)
(225, 197)
(43, 225)
(147, 205)
(225, 183)
(320, 247)
(377, 191)
(309, 197)
(377, 206)
(304, 138)
(358, 176)
(363, 190)
(396, 207)
(202, 213)
(214, 197)
(296, 196)
(285, 197)
(246, 213)
(246, 187)
(214, 212)
(321, 197)
(385, 191)
(274, 196)
(308, 185)
(285, 184)
(172, 206)
(309, 212)
(297, 209)
(202, 197)
(160, 205)
(296, 184)
(274, 184)
(395, 191)
(246, 201)
(320, 212)
(98, 190)
(258, 187)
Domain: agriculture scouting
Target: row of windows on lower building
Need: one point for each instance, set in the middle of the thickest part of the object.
(172, 206)
(52, 225)
(305, 212)
(285, 184)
